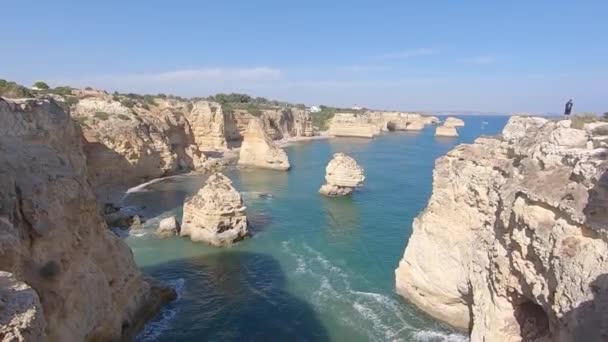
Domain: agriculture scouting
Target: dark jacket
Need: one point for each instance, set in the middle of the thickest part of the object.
(568, 109)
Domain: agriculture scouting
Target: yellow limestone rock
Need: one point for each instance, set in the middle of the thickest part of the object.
(446, 131)
(258, 149)
(216, 214)
(342, 175)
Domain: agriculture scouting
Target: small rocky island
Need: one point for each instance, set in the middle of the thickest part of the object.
(343, 175)
(448, 129)
(258, 149)
(216, 214)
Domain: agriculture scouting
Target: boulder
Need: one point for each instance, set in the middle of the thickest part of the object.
(168, 227)
(216, 214)
(258, 149)
(342, 175)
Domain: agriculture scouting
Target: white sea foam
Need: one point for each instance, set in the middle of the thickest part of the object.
(154, 329)
(379, 316)
(437, 336)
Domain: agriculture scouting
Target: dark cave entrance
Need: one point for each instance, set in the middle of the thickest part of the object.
(533, 321)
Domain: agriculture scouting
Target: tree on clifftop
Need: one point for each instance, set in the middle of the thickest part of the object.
(41, 85)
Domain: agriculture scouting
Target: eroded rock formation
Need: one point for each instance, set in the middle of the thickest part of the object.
(446, 131)
(216, 214)
(53, 237)
(453, 122)
(342, 175)
(513, 242)
(258, 149)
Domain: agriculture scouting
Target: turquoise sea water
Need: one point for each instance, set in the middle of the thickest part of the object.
(316, 269)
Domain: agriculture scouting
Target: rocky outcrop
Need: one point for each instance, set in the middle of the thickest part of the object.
(446, 131)
(512, 245)
(453, 122)
(342, 175)
(353, 125)
(21, 316)
(167, 227)
(258, 149)
(216, 214)
(208, 125)
(52, 235)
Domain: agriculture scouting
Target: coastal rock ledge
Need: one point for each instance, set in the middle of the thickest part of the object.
(216, 214)
(343, 175)
(513, 243)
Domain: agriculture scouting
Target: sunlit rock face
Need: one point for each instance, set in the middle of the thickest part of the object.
(353, 125)
(453, 122)
(446, 131)
(513, 241)
(342, 175)
(216, 214)
(258, 149)
(53, 238)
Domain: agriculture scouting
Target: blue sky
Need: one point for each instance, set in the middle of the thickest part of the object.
(505, 56)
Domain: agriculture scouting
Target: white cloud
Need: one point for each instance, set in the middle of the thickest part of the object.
(200, 75)
(406, 54)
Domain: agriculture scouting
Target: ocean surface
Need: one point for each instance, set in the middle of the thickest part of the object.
(316, 268)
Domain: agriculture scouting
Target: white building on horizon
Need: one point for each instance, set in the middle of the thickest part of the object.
(315, 109)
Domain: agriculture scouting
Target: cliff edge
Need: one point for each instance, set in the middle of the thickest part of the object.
(512, 245)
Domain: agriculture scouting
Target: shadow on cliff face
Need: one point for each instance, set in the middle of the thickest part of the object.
(233, 296)
(110, 173)
(596, 211)
(589, 321)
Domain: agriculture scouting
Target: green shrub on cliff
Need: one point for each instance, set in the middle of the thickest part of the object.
(123, 117)
(62, 90)
(128, 103)
(149, 99)
(13, 90)
(41, 85)
(102, 116)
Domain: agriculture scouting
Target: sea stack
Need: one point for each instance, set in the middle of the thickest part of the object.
(453, 122)
(512, 245)
(446, 131)
(343, 175)
(258, 149)
(216, 214)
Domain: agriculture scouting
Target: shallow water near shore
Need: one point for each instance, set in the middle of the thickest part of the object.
(316, 269)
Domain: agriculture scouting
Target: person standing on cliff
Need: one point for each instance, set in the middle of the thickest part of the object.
(568, 108)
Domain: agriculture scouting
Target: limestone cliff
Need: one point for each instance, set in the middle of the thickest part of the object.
(53, 237)
(216, 214)
(353, 125)
(127, 144)
(342, 175)
(372, 123)
(279, 123)
(512, 245)
(258, 149)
